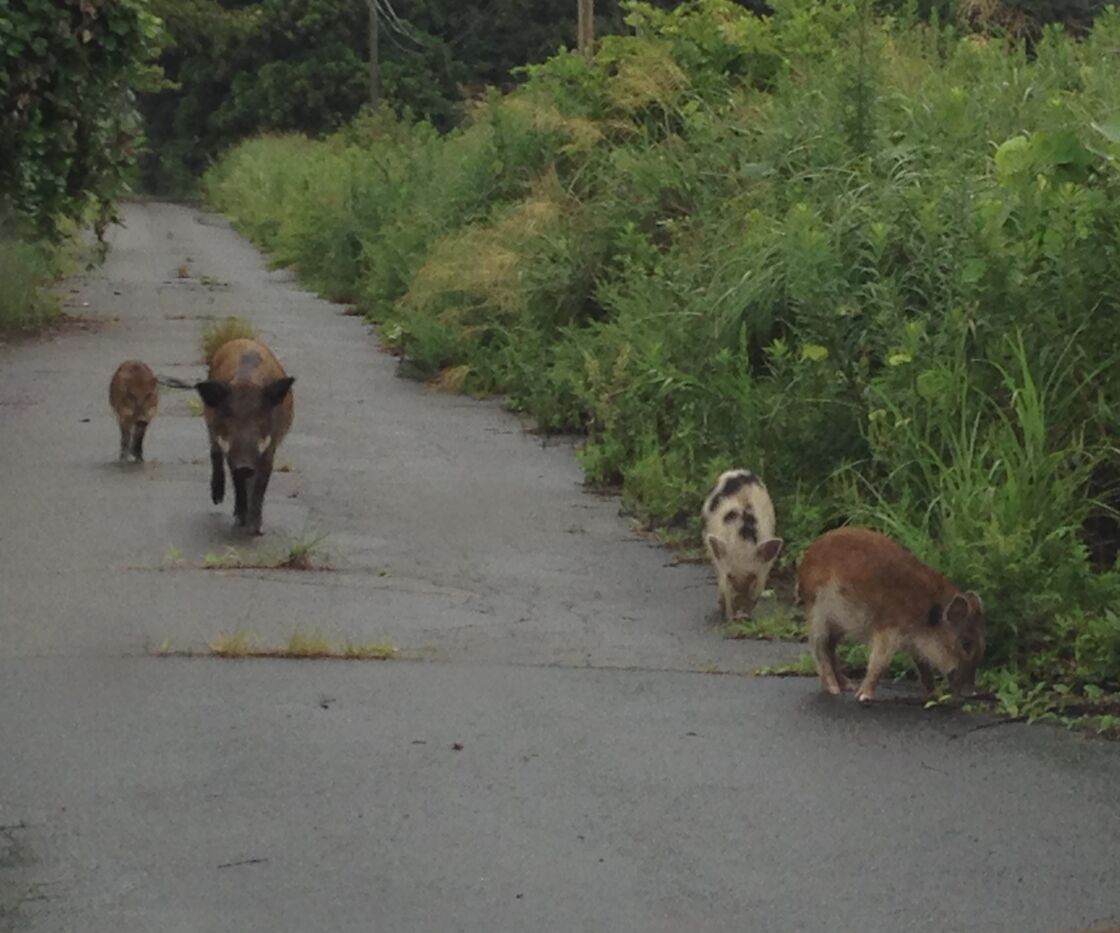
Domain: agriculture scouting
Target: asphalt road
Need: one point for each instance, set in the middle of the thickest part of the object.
(556, 749)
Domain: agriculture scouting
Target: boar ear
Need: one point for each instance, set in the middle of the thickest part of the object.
(975, 600)
(274, 392)
(957, 610)
(769, 550)
(213, 392)
(719, 552)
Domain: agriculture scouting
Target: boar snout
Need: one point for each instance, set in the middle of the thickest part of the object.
(962, 680)
(242, 473)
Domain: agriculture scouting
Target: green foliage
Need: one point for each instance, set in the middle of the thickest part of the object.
(874, 261)
(240, 68)
(775, 626)
(68, 128)
(26, 268)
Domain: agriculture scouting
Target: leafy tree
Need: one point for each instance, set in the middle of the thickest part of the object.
(68, 124)
(200, 61)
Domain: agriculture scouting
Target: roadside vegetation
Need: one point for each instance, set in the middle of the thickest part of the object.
(871, 257)
(69, 130)
(27, 269)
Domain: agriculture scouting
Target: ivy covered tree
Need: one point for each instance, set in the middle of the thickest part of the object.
(69, 128)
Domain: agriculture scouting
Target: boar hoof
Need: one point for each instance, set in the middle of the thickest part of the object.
(863, 697)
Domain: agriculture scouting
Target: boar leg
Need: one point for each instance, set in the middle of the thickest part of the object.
(925, 674)
(138, 430)
(842, 681)
(125, 437)
(217, 475)
(260, 484)
(822, 642)
(727, 600)
(882, 651)
(240, 497)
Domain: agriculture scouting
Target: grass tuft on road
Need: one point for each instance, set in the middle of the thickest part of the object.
(303, 553)
(316, 644)
(216, 334)
(778, 625)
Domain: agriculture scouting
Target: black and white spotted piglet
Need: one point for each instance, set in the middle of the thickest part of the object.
(739, 532)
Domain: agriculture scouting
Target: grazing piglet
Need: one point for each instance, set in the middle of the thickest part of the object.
(248, 411)
(856, 583)
(134, 395)
(739, 532)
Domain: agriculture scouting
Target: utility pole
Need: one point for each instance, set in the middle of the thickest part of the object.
(585, 26)
(374, 63)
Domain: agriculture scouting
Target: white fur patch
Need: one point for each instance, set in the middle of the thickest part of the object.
(223, 444)
(738, 554)
(262, 444)
(831, 606)
(741, 567)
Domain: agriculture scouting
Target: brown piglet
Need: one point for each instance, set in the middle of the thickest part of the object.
(134, 396)
(858, 584)
(248, 411)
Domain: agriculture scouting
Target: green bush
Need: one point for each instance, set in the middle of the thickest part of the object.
(26, 269)
(67, 118)
(873, 259)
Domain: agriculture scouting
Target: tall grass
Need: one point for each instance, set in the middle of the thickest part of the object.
(26, 271)
(873, 259)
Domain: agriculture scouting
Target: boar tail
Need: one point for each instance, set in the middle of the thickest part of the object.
(172, 383)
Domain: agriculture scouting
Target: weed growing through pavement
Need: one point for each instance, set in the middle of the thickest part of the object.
(242, 643)
(303, 553)
(777, 625)
(238, 644)
(218, 333)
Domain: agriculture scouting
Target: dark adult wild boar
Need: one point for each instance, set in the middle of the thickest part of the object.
(134, 395)
(248, 411)
(856, 583)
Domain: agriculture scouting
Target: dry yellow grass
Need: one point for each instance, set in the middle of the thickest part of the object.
(238, 644)
(582, 133)
(313, 645)
(646, 75)
(217, 333)
(484, 263)
(316, 644)
(452, 379)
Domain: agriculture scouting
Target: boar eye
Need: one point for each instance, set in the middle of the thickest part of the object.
(966, 645)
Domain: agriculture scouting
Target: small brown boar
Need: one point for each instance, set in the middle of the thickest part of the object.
(248, 411)
(739, 532)
(858, 584)
(134, 396)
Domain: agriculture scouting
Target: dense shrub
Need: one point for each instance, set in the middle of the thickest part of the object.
(27, 267)
(868, 257)
(67, 121)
